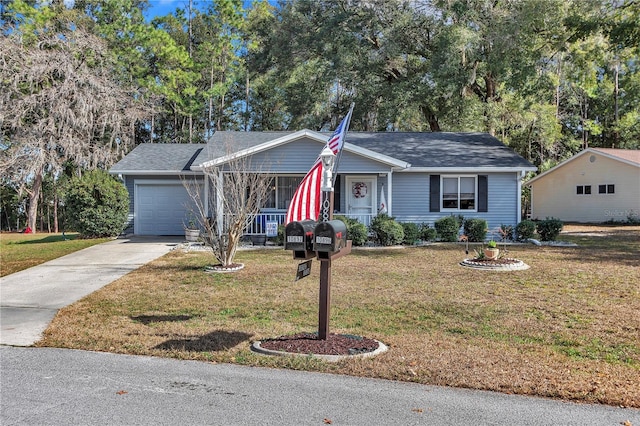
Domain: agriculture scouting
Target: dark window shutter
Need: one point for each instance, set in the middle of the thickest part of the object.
(434, 193)
(483, 193)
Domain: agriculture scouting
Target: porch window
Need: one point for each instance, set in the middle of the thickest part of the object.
(459, 193)
(281, 189)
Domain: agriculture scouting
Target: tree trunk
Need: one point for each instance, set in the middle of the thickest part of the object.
(431, 118)
(34, 196)
(55, 214)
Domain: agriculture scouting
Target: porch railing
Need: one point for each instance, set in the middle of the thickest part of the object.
(258, 224)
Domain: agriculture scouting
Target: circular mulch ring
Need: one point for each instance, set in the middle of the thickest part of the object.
(336, 346)
(234, 267)
(502, 264)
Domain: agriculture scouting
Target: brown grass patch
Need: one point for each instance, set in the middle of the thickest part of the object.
(567, 327)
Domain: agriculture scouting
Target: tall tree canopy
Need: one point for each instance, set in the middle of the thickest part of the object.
(549, 77)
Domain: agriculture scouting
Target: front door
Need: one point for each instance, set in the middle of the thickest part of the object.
(361, 198)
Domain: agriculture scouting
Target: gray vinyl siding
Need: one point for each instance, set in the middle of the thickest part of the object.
(411, 200)
(298, 156)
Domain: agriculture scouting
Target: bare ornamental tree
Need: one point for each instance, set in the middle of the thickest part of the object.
(235, 192)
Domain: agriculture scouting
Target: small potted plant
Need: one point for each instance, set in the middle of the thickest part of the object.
(191, 231)
(491, 251)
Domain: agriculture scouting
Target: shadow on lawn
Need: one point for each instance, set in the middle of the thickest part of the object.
(149, 319)
(219, 340)
(622, 254)
(49, 239)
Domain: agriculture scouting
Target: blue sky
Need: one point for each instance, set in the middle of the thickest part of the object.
(164, 7)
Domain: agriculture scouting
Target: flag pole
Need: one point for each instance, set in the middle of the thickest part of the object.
(346, 128)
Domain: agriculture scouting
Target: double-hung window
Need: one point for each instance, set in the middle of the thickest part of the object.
(459, 192)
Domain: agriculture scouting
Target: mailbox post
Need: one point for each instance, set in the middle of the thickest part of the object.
(328, 160)
(325, 239)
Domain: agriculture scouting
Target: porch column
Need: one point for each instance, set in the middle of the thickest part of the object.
(206, 195)
(389, 194)
(219, 202)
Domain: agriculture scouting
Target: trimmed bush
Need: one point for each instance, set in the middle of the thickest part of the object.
(390, 233)
(525, 230)
(411, 233)
(475, 229)
(376, 225)
(427, 233)
(386, 231)
(549, 229)
(356, 231)
(97, 205)
(447, 228)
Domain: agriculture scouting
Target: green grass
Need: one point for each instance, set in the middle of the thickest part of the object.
(22, 251)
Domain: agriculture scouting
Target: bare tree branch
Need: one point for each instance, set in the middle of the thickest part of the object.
(236, 191)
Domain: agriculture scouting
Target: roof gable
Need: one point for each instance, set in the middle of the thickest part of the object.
(627, 156)
(240, 144)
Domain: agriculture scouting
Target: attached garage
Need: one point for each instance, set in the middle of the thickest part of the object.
(161, 207)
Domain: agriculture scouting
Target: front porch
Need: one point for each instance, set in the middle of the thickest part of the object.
(258, 225)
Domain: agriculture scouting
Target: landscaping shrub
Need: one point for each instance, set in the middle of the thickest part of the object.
(525, 230)
(356, 231)
(411, 233)
(97, 204)
(427, 233)
(475, 229)
(549, 229)
(390, 233)
(386, 231)
(279, 240)
(447, 228)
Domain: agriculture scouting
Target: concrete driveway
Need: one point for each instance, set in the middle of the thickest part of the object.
(29, 299)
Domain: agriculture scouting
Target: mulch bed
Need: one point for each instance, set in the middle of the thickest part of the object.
(493, 262)
(309, 343)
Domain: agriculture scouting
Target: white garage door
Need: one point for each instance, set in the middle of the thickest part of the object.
(161, 208)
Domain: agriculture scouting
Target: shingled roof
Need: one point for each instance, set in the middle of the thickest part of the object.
(441, 149)
(170, 158)
(420, 150)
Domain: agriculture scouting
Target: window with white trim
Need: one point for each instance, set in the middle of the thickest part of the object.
(459, 192)
(583, 190)
(607, 189)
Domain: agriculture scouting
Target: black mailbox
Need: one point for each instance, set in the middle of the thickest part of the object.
(329, 237)
(298, 236)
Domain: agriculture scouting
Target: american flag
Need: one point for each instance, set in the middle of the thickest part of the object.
(307, 199)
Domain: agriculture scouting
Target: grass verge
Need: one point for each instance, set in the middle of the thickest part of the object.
(567, 327)
(22, 251)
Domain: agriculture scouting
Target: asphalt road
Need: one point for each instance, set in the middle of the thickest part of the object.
(42, 386)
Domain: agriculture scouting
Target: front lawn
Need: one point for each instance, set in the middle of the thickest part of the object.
(567, 327)
(22, 251)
